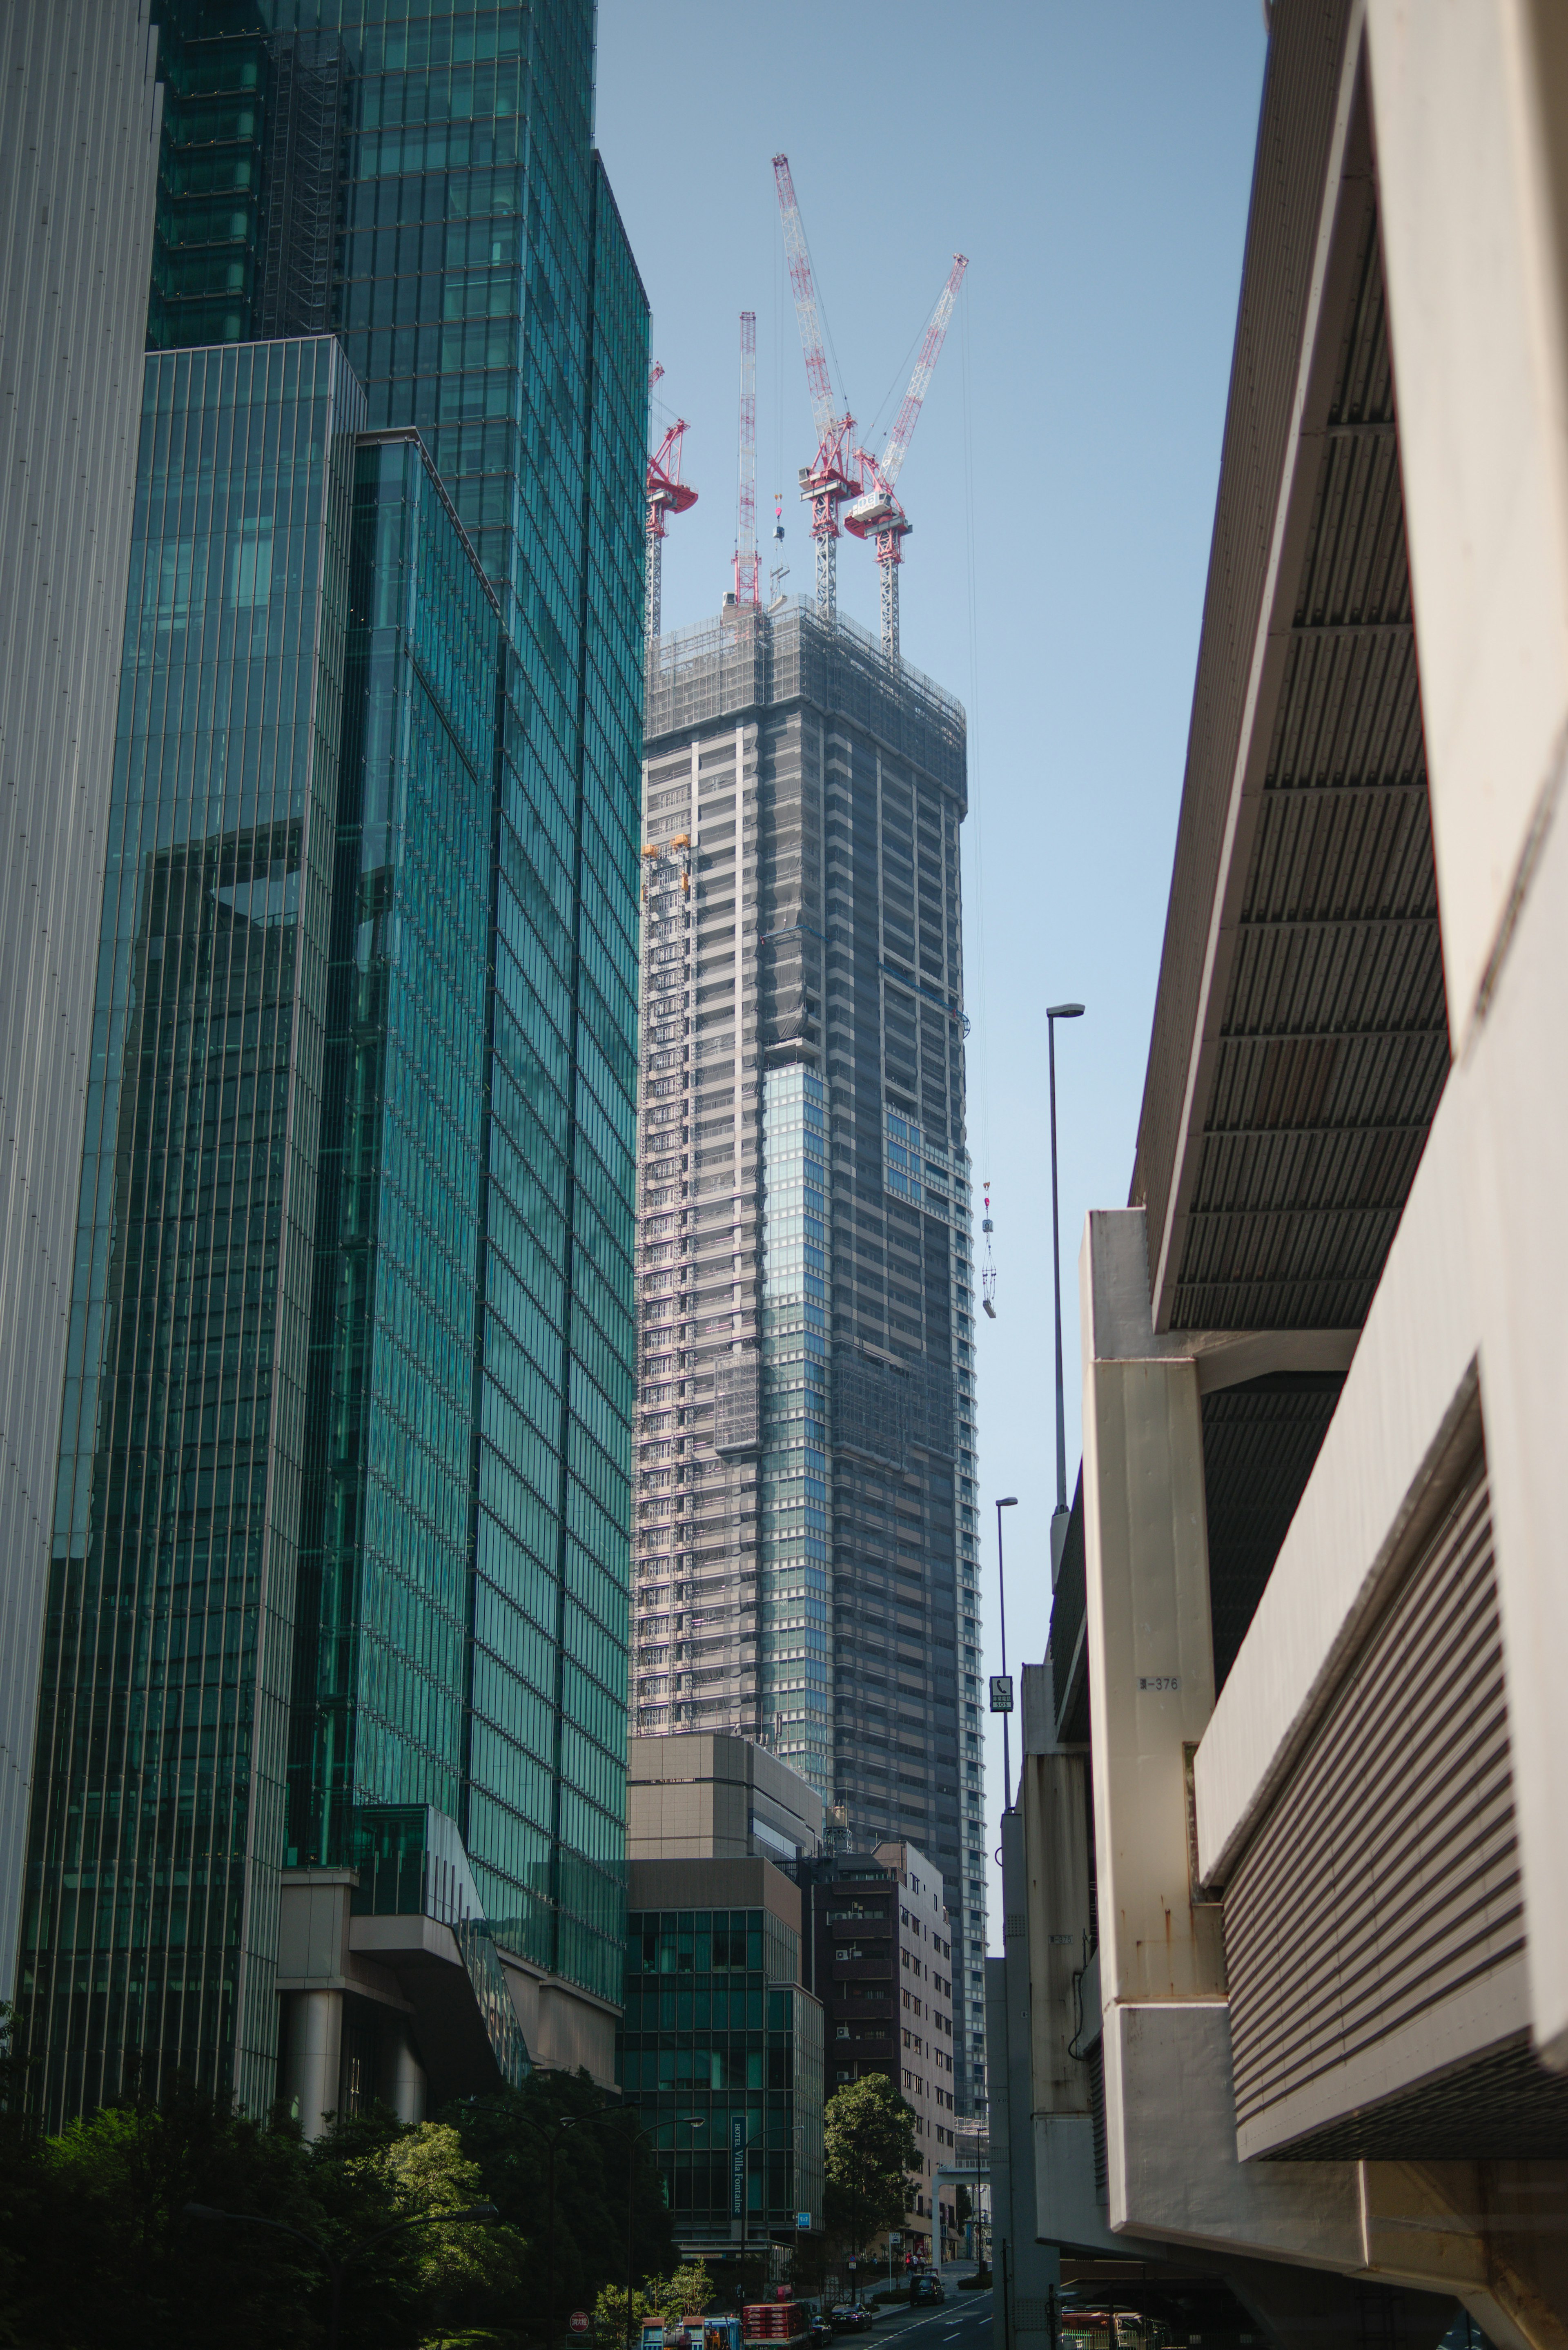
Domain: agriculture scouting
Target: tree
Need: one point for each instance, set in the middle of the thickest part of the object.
(467, 2273)
(872, 2167)
(686, 2289)
(509, 2136)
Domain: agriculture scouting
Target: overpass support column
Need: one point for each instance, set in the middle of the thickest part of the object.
(1170, 2107)
(1151, 1686)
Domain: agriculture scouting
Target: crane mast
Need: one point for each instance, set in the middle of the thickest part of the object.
(747, 562)
(828, 481)
(876, 513)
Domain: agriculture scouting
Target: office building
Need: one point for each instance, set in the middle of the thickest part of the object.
(1297, 1766)
(706, 1795)
(79, 111)
(344, 1489)
(880, 1962)
(722, 2054)
(807, 1547)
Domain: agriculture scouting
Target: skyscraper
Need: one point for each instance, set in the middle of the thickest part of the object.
(78, 162)
(807, 1551)
(340, 1562)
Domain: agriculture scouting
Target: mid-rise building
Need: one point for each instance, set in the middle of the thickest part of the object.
(708, 1795)
(807, 1539)
(722, 2048)
(880, 1962)
(334, 1674)
(79, 112)
(722, 2054)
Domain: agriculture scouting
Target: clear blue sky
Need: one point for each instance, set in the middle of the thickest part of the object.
(1093, 162)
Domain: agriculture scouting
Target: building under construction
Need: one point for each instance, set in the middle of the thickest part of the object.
(806, 1560)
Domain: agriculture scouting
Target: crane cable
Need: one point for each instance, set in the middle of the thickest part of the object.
(976, 893)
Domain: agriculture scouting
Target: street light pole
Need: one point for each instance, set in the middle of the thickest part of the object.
(552, 2141)
(632, 2144)
(1059, 1516)
(1009, 1502)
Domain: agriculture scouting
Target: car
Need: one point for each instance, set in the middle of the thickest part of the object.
(926, 2287)
(850, 2317)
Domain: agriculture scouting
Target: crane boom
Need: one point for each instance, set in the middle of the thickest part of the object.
(876, 513)
(665, 494)
(908, 415)
(828, 480)
(747, 564)
(819, 382)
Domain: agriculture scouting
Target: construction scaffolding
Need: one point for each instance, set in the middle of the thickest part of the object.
(746, 659)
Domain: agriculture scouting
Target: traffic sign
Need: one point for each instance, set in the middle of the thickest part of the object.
(803, 2219)
(1001, 1692)
(578, 2321)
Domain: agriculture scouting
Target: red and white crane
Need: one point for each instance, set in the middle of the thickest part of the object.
(747, 562)
(876, 513)
(667, 495)
(828, 480)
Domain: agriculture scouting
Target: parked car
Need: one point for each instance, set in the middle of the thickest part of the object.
(926, 2286)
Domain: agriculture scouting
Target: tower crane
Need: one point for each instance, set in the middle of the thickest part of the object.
(828, 481)
(667, 494)
(747, 562)
(876, 512)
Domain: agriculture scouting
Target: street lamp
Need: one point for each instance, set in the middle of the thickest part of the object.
(1008, 1502)
(335, 2263)
(632, 2144)
(649, 2132)
(1059, 1516)
(552, 2139)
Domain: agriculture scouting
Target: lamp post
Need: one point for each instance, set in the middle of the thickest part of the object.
(633, 2142)
(552, 2139)
(336, 2263)
(1060, 1515)
(651, 2134)
(1008, 1502)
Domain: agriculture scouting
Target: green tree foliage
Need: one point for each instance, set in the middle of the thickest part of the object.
(872, 2163)
(665, 2300)
(598, 2156)
(97, 2251)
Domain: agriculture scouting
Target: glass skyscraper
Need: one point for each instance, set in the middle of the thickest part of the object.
(807, 1547)
(341, 1537)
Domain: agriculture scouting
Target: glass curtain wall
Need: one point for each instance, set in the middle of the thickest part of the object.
(797, 1644)
(152, 1883)
(382, 1620)
(482, 282)
(719, 2033)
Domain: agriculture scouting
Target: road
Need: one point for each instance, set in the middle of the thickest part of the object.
(962, 2322)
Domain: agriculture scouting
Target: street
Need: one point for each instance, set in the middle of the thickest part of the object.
(962, 2323)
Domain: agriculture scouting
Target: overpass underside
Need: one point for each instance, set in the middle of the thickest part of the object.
(1290, 1849)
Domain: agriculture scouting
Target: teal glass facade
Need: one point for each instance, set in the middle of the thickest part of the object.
(796, 1645)
(443, 1424)
(383, 1612)
(719, 2033)
(156, 1838)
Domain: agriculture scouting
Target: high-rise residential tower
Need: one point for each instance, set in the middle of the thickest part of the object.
(79, 169)
(807, 1551)
(335, 1668)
